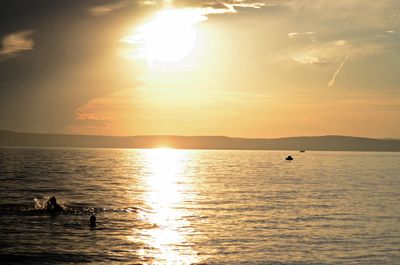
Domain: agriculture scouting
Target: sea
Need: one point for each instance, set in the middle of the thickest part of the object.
(168, 206)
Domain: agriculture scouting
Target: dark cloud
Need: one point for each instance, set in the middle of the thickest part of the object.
(48, 58)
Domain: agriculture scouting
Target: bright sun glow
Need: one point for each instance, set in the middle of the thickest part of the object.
(169, 37)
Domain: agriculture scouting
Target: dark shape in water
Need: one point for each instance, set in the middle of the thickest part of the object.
(289, 158)
(92, 220)
(53, 207)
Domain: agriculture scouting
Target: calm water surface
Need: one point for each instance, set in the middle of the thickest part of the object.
(162, 206)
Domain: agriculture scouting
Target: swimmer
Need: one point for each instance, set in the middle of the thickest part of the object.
(92, 221)
(53, 206)
(289, 158)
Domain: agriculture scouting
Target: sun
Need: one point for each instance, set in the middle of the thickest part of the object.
(168, 37)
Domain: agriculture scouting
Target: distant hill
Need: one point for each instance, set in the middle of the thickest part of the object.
(328, 143)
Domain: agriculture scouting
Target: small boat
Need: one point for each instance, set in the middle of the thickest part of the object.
(289, 158)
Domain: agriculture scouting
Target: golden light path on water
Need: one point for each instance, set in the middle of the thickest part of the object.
(165, 191)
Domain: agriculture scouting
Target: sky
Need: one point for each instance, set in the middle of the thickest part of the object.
(258, 69)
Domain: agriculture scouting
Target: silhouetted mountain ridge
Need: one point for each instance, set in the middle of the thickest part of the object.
(326, 142)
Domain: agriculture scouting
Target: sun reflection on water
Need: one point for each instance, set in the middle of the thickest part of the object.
(165, 192)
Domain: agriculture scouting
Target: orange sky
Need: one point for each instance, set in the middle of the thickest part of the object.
(235, 68)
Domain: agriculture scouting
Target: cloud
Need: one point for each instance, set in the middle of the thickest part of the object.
(309, 34)
(87, 123)
(244, 4)
(16, 43)
(91, 119)
(295, 34)
(327, 53)
(229, 7)
(387, 34)
(308, 59)
(110, 114)
(141, 43)
(344, 6)
(320, 54)
(222, 7)
(105, 9)
(332, 82)
(340, 42)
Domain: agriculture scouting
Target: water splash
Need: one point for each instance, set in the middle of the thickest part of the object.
(40, 203)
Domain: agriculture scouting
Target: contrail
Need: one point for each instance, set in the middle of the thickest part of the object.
(338, 70)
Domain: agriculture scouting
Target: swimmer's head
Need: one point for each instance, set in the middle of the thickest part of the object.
(53, 200)
(92, 220)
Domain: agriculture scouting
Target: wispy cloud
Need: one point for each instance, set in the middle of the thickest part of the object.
(332, 82)
(15, 43)
(228, 7)
(193, 12)
(105, 9)
(91, 119)
(309, 34)
(340, 42)
(295, 34)
(344, 6)
(220, 6)
(387, 34)
(309, 59)
(244, 4)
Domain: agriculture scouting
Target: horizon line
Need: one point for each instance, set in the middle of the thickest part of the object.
(178, 135)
